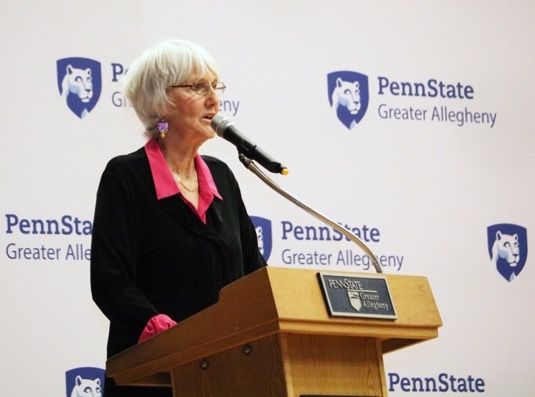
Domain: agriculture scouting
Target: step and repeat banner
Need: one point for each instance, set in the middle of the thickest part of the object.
(409, 123)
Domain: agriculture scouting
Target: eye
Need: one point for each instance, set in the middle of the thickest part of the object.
(78, 79)
(219, 86)
(200, 87)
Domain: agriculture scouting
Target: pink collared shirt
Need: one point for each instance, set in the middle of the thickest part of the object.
(166, 186)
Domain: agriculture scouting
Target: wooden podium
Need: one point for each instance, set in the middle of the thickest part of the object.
(270, 334)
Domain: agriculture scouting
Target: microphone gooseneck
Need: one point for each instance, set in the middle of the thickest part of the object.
(251, 166)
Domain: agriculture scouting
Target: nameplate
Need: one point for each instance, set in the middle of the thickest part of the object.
(347, 295)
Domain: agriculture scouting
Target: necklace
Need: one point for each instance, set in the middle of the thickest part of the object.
(189, 189)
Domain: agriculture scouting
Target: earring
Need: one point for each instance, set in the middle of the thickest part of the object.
(163, 127)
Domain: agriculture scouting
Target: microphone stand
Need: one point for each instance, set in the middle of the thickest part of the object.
(251, 166)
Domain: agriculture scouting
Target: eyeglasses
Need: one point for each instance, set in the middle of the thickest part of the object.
(201, 88)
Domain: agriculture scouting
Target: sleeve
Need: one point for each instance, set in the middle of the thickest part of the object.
(252, 258)
(156, 325)
(113, 258)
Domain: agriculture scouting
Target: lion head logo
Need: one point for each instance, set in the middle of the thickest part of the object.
(84, 382)
(79, 83)
(86, 387)
(507, 249)
(348, 96)
(264, 234)
(260, 237)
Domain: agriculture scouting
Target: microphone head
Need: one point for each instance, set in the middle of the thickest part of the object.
(219, 124)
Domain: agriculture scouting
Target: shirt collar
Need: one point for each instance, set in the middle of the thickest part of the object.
(165, 184)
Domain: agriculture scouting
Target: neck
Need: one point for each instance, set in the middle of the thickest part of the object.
(180, 157)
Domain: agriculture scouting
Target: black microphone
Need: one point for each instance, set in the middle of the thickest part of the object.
(224, 127)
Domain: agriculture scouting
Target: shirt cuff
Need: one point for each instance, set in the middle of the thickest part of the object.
(156, 325)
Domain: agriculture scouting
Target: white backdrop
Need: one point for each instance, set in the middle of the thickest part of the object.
(429, 187)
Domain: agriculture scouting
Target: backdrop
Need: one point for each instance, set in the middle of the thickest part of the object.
(408, 122)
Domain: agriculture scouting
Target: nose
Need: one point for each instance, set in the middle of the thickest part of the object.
(212, 96)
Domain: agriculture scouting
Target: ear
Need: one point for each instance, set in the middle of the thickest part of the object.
(88, 70)
(78, 380)
(69, 69)
(498, 235)
(516, 237)
(338, 82)
(97, 381)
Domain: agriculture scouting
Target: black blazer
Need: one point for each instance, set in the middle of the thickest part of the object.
(154, 256)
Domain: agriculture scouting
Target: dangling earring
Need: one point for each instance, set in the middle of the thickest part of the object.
(163, 128)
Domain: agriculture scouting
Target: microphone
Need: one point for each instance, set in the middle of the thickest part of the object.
(224, 127)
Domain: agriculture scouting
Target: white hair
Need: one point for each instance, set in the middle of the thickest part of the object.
(171, 62)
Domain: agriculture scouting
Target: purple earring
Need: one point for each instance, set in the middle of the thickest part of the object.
(163, 127)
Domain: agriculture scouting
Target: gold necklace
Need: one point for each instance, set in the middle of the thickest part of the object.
(189, 189)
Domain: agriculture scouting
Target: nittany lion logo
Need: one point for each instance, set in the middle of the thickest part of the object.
(348, 96)
(79, 83)
(85, 382)
(263, 232)
(354, 299)
(508, 249)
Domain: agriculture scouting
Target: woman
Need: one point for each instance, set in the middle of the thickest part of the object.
(170, 227)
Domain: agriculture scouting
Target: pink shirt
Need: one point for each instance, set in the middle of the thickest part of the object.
(166, 186)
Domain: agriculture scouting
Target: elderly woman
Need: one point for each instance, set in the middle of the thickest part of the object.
(170, 227)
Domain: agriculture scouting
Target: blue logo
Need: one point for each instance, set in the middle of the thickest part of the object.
(348, 96)
(79, 83)
(264, 234)
(508, 248)
(85, 381)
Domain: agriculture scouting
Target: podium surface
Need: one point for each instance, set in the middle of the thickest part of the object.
(270, 334)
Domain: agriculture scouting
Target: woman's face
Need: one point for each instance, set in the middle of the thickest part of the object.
(194, 106)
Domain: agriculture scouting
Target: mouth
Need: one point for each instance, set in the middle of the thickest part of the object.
(209, 116)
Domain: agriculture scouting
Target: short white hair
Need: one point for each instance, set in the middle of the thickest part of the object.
(170, 62)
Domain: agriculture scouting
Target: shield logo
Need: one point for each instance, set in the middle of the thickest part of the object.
(354, 299)
(85, 381)
(79, 83)
(265, 237)
(348, 96)
(508, 248)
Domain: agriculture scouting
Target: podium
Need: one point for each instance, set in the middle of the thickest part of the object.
(270, 334)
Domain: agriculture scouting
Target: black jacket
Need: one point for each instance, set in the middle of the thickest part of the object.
(151, 256)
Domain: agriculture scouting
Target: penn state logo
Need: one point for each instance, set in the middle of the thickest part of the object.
(85, 382)
(263, 233)
(508, 249)
(348, 96)
(354, 299)
(79, 83)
